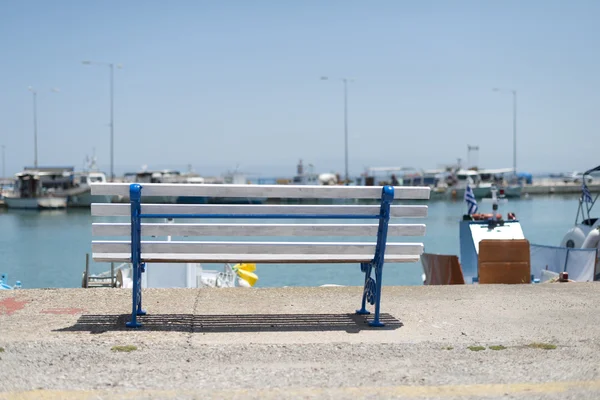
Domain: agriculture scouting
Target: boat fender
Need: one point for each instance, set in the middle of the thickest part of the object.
(511, 216)
(592, 240)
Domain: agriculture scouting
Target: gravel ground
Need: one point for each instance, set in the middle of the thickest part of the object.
(303, 343)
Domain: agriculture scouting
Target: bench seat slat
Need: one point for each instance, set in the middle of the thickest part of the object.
(122, 210)
(261, 191)
(197, 247)
(252, 258)
(166, 229)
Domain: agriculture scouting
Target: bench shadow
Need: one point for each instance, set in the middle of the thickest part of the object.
(351, 323)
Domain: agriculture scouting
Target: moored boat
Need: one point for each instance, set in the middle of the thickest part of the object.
(30, 194)
(585, 222)
(236, 178)
(80, 194)
(494, 250)
(4, 283)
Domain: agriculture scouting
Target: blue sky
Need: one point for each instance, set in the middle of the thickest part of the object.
(237, 83)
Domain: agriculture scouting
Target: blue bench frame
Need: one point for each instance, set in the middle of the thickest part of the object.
(372, 286)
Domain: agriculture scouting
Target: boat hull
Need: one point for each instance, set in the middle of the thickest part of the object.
(513, 191)
(36, 203)
(85, 198)
(510, 192)
(459, 193)
(481, 192)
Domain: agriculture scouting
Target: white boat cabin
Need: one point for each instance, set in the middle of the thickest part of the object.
(163, 176)
(404, 176)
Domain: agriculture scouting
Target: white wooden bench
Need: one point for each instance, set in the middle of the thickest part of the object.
(303, 221)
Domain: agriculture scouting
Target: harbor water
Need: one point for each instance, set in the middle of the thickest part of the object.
(47, 249)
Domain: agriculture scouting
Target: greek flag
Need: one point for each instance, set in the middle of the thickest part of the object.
(470, 199)
(587, 196)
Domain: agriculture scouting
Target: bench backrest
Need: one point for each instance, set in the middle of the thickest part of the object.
(306, 220)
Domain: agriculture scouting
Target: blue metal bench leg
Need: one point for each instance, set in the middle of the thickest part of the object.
(135, 195)
(141, 311)
(378, 276)
(137, 298)
(373, 286)
(366, 268)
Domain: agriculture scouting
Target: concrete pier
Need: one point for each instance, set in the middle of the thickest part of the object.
(440, 342)
(557, 187)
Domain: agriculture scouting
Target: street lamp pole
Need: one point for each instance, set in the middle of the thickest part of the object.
(35, 147)
(514, 93)
(3, 164)
(514, 96)
(346, 128)
(345, 81)
(111, 67)
(112, 125)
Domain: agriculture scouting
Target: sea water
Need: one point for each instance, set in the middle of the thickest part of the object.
(47, 249)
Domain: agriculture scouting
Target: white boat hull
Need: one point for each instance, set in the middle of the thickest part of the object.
(85, 198)
(482, 192)
(36, 203)
(459, 193)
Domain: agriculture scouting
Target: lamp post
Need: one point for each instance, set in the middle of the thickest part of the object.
(111, 67)
(514, 95)
(35, 149)
(35, 146)
(3, 164)
(345, 81)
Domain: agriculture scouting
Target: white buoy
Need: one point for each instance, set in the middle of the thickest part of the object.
(592, 240)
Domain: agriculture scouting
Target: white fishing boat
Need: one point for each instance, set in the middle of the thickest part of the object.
(408, 176)
(6, 187)
(500, 197)
(482, 182)
(504, 179)
(80, 193)
(78, 190)
(158, 176)
(469, 177)
(29, 193)
(507, 256)
(308, 177)
(4, 283)
(586, 227)
(579, 250)
(235, 177)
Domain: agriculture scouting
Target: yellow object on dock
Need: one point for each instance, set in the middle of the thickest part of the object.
(245, 272)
